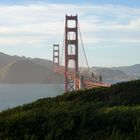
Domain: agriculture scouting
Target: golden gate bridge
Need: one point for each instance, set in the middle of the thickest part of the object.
(74, 79)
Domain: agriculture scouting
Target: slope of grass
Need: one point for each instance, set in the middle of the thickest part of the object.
(97, 114)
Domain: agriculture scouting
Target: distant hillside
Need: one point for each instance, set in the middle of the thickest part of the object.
(6, 59)
(130, 70)
(26, 71)
(9, 72)
(18, 70)
(109, 73)
(118, 74)
(43, 62)
(97, 114)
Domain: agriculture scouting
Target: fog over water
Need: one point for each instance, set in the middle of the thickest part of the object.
(12, 95)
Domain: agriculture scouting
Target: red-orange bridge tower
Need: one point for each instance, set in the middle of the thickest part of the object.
(74, 80)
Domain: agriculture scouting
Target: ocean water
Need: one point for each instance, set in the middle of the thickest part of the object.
(12, 95)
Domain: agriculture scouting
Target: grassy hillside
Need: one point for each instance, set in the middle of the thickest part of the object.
(98, 114)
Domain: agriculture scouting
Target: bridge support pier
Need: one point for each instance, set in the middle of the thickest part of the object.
(81, 84)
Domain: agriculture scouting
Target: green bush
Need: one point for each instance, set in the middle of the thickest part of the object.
(97, 114)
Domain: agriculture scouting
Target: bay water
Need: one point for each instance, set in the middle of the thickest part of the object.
(12, 95)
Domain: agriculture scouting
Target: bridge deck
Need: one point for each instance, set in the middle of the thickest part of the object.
(88, 83)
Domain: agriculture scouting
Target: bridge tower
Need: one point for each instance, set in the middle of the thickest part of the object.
(55, 55)
(71, 42)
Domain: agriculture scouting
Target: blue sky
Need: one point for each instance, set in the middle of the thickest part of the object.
(135, 3)
(110, 29)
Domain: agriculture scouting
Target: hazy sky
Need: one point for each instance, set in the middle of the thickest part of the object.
(110, 28)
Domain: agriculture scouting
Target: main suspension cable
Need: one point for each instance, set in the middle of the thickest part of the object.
(83, 49)
(62, 48)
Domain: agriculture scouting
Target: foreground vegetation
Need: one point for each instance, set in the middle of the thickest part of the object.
(98, 114)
